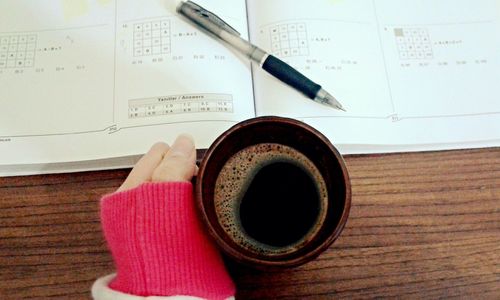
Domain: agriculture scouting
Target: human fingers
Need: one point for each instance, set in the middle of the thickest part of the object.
(179, 164)
(144, 168)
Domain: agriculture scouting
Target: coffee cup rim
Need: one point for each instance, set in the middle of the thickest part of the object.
(211, 226)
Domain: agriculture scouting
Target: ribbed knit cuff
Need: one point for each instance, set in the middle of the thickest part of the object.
(158, 244)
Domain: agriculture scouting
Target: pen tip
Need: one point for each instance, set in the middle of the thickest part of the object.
(327, 98)
(336, 104)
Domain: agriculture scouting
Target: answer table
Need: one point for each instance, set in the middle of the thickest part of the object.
(422, 225)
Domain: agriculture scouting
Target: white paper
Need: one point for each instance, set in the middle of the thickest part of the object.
(409, 73)
(92, 84)
(95, 79)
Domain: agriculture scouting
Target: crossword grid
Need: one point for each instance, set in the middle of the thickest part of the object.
(289, 40)
(413, 43)
(152, 38)
(17, 51)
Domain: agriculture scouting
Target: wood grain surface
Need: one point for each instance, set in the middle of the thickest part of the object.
(422, 225)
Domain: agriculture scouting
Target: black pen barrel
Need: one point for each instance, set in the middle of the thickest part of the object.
(290, 76)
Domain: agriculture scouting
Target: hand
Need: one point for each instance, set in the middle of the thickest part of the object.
(164, 163)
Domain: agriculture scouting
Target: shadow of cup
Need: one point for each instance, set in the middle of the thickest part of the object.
(273, 192)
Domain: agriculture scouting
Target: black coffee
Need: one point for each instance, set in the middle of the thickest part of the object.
(280, 205)
(269, 198)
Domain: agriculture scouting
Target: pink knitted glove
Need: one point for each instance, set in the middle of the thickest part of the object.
(158, 245)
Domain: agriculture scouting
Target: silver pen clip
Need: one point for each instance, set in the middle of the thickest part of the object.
(203, 13)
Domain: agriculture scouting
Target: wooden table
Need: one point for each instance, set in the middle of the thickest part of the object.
(422, 225)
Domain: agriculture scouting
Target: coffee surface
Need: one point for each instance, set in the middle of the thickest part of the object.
(270, 198)
(280, 205)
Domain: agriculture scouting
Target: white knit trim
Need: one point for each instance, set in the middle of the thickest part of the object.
(101, 291)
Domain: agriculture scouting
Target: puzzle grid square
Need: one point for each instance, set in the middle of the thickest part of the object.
(413, 43)
(289, 40)
(17, 51)
(152, 38)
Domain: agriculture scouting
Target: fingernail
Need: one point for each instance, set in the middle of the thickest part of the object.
(183, 145)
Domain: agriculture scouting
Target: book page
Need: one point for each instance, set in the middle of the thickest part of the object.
(169, 72)
(92, 79)
(413, 75)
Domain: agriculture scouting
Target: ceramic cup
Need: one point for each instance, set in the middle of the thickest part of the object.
(273, 192)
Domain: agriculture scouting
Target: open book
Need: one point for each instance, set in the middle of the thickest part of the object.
(88, 84)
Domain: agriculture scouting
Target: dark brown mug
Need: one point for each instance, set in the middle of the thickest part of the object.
(273, 192)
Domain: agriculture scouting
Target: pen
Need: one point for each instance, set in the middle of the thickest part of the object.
(216, 27)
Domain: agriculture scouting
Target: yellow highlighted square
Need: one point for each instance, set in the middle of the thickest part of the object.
(104, 2)
(74, 8)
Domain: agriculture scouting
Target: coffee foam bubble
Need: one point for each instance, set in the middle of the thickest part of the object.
(236, 176)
